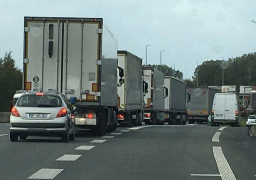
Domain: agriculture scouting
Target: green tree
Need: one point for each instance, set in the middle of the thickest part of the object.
(168, 71)
(10, 81)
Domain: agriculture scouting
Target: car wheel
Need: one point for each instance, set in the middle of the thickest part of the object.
(13, 137)
(23, 137)
(65, 137)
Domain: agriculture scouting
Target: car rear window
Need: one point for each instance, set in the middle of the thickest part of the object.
(33, 100)
(252, 117)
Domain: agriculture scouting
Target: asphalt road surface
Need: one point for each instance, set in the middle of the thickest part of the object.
(144, 153)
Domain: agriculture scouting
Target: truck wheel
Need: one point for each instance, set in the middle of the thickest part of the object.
(128, 119)
(115, 121)
(140, 118)
(13, 137)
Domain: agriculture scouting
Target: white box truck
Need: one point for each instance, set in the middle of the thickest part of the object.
(130, 93)
(175, 100)
(225, 109)
(154, 112)
(77, 57)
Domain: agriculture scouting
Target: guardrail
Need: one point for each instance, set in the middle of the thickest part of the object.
(5, 117)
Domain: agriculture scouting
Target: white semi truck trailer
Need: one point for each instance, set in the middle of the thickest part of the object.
(175, 101)
(130, 93)
(77, 57)
(154, 112)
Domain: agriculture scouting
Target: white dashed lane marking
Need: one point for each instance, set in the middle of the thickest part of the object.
(98, 141)
(125, 131)
(4, 135)
(222, 163)
(45, 174)
(221, 129)
(84, 148)
(216, 137)
(116, 133)
(68, 157)
(108, 137)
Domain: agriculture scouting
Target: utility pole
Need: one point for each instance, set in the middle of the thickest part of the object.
(161, 56)
(196, 73)
(147, 54)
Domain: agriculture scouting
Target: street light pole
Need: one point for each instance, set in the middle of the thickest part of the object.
(196, 73)
(147, 54)
(161, 56)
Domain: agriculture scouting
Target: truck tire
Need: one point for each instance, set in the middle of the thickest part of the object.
(140, 118)
(100, 129)
(115, 120)
(128, 119)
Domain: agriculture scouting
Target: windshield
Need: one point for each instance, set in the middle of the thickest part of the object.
(39, 101)
(252, 117)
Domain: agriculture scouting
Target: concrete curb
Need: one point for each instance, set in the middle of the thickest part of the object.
(5, 117)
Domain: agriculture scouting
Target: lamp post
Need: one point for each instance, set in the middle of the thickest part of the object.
(147, 54)
(161, 56)
(196, 73)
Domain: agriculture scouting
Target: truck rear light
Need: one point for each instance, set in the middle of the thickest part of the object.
(15, 112)
(120, 116)
(62, 113)
(236, 113)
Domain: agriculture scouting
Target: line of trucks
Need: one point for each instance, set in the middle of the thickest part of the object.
(78, 57)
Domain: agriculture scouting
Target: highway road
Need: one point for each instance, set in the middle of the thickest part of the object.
(187, 152)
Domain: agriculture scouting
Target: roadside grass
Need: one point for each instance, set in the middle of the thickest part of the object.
(242, 121)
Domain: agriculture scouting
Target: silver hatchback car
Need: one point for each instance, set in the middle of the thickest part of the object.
(42, 114)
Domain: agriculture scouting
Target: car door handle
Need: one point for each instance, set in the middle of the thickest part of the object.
(226, 110)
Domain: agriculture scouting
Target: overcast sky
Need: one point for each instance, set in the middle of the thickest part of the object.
(190, 31)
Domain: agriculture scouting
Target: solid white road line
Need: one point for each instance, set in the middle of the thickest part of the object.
(206, 175)
(222, 128)
(4, 135)
(216, 137)
(222, 163)
(84, 148)
(68, 157)
(98, 141)
(108, 137)
(45, 174)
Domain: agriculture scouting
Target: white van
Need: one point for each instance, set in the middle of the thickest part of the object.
(225, 109)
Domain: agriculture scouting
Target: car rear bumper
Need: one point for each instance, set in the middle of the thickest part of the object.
(38, 128)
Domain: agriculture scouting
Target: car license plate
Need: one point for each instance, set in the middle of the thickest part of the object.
(219, 115)
(38, 115)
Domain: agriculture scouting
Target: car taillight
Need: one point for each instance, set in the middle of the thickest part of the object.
(120, 116)
(15, 112)
(90, 116)
(62, 113)
(147, 115)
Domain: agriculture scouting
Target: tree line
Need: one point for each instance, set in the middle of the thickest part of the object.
(234, 71)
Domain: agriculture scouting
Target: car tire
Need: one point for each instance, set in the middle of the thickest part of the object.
(23, 137)
(65, 137)
(14, 137)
